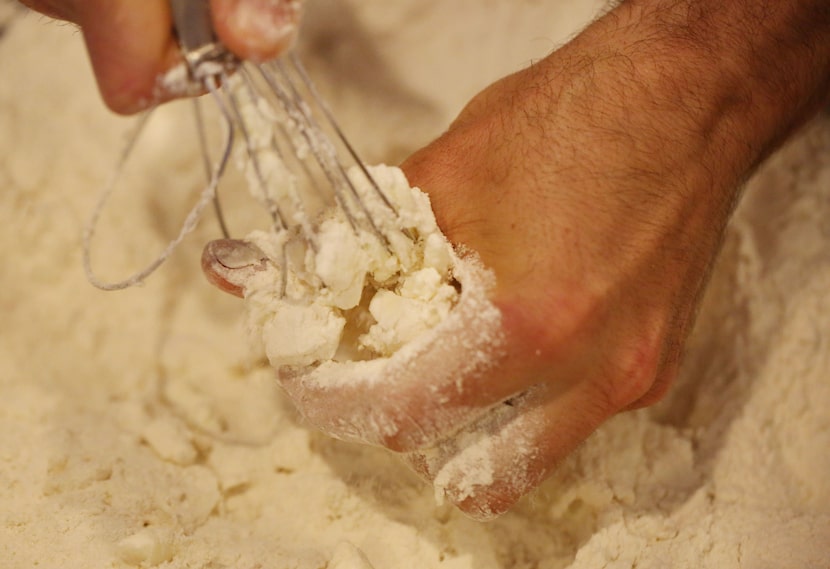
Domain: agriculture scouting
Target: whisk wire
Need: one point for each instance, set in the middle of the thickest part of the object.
(322, 147)
(206, 197)
(198, 118)
(292, 150)
(329, 116)
(251, 150)
(312, 140)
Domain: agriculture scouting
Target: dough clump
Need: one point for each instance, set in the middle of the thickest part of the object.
(354, 293)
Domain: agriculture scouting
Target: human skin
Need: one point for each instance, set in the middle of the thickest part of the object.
(596, 184)
(130, 45)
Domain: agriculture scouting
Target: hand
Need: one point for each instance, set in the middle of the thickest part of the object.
(130, 44)
(596, 184)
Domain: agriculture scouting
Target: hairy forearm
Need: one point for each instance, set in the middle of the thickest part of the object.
(695, 93)
(754, 70)
(770, 58)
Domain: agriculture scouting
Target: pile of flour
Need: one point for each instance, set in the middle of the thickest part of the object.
(139, 429)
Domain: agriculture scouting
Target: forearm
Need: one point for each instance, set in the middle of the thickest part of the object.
(686, 95)
(753, 70)
(774, 55)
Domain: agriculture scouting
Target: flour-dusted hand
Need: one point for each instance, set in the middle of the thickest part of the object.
(130, 44)
(354, 318)
(596, 185)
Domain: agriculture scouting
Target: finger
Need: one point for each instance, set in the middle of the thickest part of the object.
(662, 382)
(488, 467)
(470, 364)
(130, 45)
(230, 263)
(256, 29)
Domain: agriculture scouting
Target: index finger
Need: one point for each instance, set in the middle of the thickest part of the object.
(130, 45)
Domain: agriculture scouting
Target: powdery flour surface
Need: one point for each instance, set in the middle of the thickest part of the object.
(138, 429)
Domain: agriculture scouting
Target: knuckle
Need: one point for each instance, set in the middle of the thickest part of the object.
(634, 372)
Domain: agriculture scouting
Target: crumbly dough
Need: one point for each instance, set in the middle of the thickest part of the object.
(353, 296)
(137, 429)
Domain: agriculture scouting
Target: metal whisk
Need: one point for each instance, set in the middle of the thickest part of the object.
(297, 160)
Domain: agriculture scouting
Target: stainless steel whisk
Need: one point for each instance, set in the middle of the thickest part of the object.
(290, 140)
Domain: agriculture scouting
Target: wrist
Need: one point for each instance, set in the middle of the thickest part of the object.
(709, 87)
(761, 68)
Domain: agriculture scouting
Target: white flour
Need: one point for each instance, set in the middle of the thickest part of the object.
(138, 429)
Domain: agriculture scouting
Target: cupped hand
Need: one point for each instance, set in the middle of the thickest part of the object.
(582, 183)
(130, 43)
(596, 185)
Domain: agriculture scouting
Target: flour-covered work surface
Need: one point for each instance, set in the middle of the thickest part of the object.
(143, 429)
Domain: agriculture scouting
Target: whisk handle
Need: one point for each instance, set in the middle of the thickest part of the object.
(193, 24)
(197, 38)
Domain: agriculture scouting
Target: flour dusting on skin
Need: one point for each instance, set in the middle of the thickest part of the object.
(139, 429)
(357, 310)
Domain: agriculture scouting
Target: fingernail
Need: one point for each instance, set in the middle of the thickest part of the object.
(234, 254)
(229, 264)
